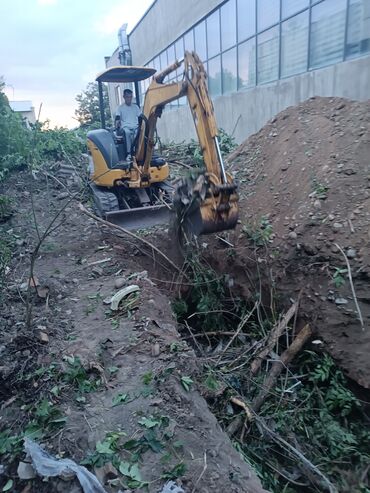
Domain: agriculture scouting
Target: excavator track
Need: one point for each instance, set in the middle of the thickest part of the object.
(105, 201)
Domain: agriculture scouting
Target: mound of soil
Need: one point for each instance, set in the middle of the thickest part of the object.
(304, 182)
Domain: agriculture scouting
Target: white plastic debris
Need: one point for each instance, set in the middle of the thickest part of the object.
(171, 487)
(116, 299)
(48, 466)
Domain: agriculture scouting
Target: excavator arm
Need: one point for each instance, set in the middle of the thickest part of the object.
(207, 202)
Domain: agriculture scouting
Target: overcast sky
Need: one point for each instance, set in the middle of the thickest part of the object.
(51, 49)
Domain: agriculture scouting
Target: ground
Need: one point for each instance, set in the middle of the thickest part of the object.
(103, 372)
(127, 388)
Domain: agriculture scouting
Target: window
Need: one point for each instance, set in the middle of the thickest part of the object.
(246, 19)
(171, 54)
(290, 7)
(200, 40)
(189, 41)
(228, 25)
(247, 63)
(328, 21)
(268, 13)
(213, 34)
(294, 45)
(358, 31)
(214, 76)
(163, 59)
(179, 49)
(229, 72)
(268, 55)
(156, 64)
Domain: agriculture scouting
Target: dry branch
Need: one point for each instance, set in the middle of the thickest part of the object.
(278, 366)
(275, 333)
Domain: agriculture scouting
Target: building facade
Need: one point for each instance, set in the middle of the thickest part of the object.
(25, 109)
(261, 56)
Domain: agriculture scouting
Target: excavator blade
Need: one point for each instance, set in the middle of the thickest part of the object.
(141, 217)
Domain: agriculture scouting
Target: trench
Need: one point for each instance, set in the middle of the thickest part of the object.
(312, 410)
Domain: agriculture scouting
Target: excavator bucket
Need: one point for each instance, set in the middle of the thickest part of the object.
(141, 217)
(205, 219)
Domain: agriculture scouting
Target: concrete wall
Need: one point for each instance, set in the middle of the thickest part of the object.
(250, 110)
(158, 28)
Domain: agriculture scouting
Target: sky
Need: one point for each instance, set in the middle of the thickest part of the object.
(51, 49)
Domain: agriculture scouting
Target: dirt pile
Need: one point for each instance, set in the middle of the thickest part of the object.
(305, 209)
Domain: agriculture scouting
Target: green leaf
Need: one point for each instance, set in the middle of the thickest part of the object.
(186, 382)
(124, 468)
(149, 422)
(175, 472)
(119, 399)
(9, 485)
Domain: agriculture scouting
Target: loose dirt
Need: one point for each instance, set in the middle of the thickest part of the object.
(136, 357)
(305, 191)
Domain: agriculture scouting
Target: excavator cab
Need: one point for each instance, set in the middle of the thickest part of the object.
(137, 194)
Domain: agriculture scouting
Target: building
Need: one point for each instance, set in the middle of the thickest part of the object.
(25, 109)
(261, 55)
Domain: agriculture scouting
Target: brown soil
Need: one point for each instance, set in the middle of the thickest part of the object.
(76, 321)
(307, 172)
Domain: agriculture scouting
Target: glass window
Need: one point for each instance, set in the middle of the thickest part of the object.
(179, 48)
(229, 71)
(294, 45)
(156, 64)
(268, 13)
(246, 19)
(171, 54)
(328, 21)
(200, 40)
(189, 41)
(290, 7)
(247, 63)
(213, 34)
(214, 76)
(268, 55)
(358, 31)
(228, 25)
(163, 59)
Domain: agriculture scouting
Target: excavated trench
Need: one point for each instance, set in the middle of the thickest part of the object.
(226, 310)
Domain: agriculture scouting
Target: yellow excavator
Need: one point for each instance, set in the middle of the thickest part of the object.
(136, 194)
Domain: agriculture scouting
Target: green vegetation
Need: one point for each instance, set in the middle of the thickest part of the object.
(259, 234)
(88, 111)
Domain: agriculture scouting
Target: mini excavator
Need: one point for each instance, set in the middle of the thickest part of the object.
(136, 194)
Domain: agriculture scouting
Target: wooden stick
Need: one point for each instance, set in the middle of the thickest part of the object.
(133, 235)
(278, 366)
(275, 333)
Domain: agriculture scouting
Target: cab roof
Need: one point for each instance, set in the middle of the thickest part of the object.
(124, 74)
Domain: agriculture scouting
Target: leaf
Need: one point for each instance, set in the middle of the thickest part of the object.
(186, 382)
(149, 422)
(9, 485)
(104, 447)
(119, 399)
(175, 472)
(124, 468)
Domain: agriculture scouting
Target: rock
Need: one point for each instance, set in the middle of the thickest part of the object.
(119, 282)
(43, 337)
(62, 195)
(331, 217)
(97, 270)
(340, 301)
(292, 235)
(25, 470)
(337, 226)
(351, 253)
(317, 204)
(156, 349)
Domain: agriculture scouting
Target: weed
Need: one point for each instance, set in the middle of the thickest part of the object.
(186, 382)
(6, 206)
(260, 233)
(320, 190)
(177, 471)
(338, 278)
(119, 399)
(76, 375)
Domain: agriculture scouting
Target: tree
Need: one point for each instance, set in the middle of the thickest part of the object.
(88, 112)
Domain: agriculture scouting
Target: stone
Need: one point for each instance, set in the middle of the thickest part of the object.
(317, 204)
(25, 470)
(119, 282)
(97, 270)
(156, 349)
(62, 195)
(351, 253)
(43, 337)
(337, 226)
(292, 235)
(340, 301)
